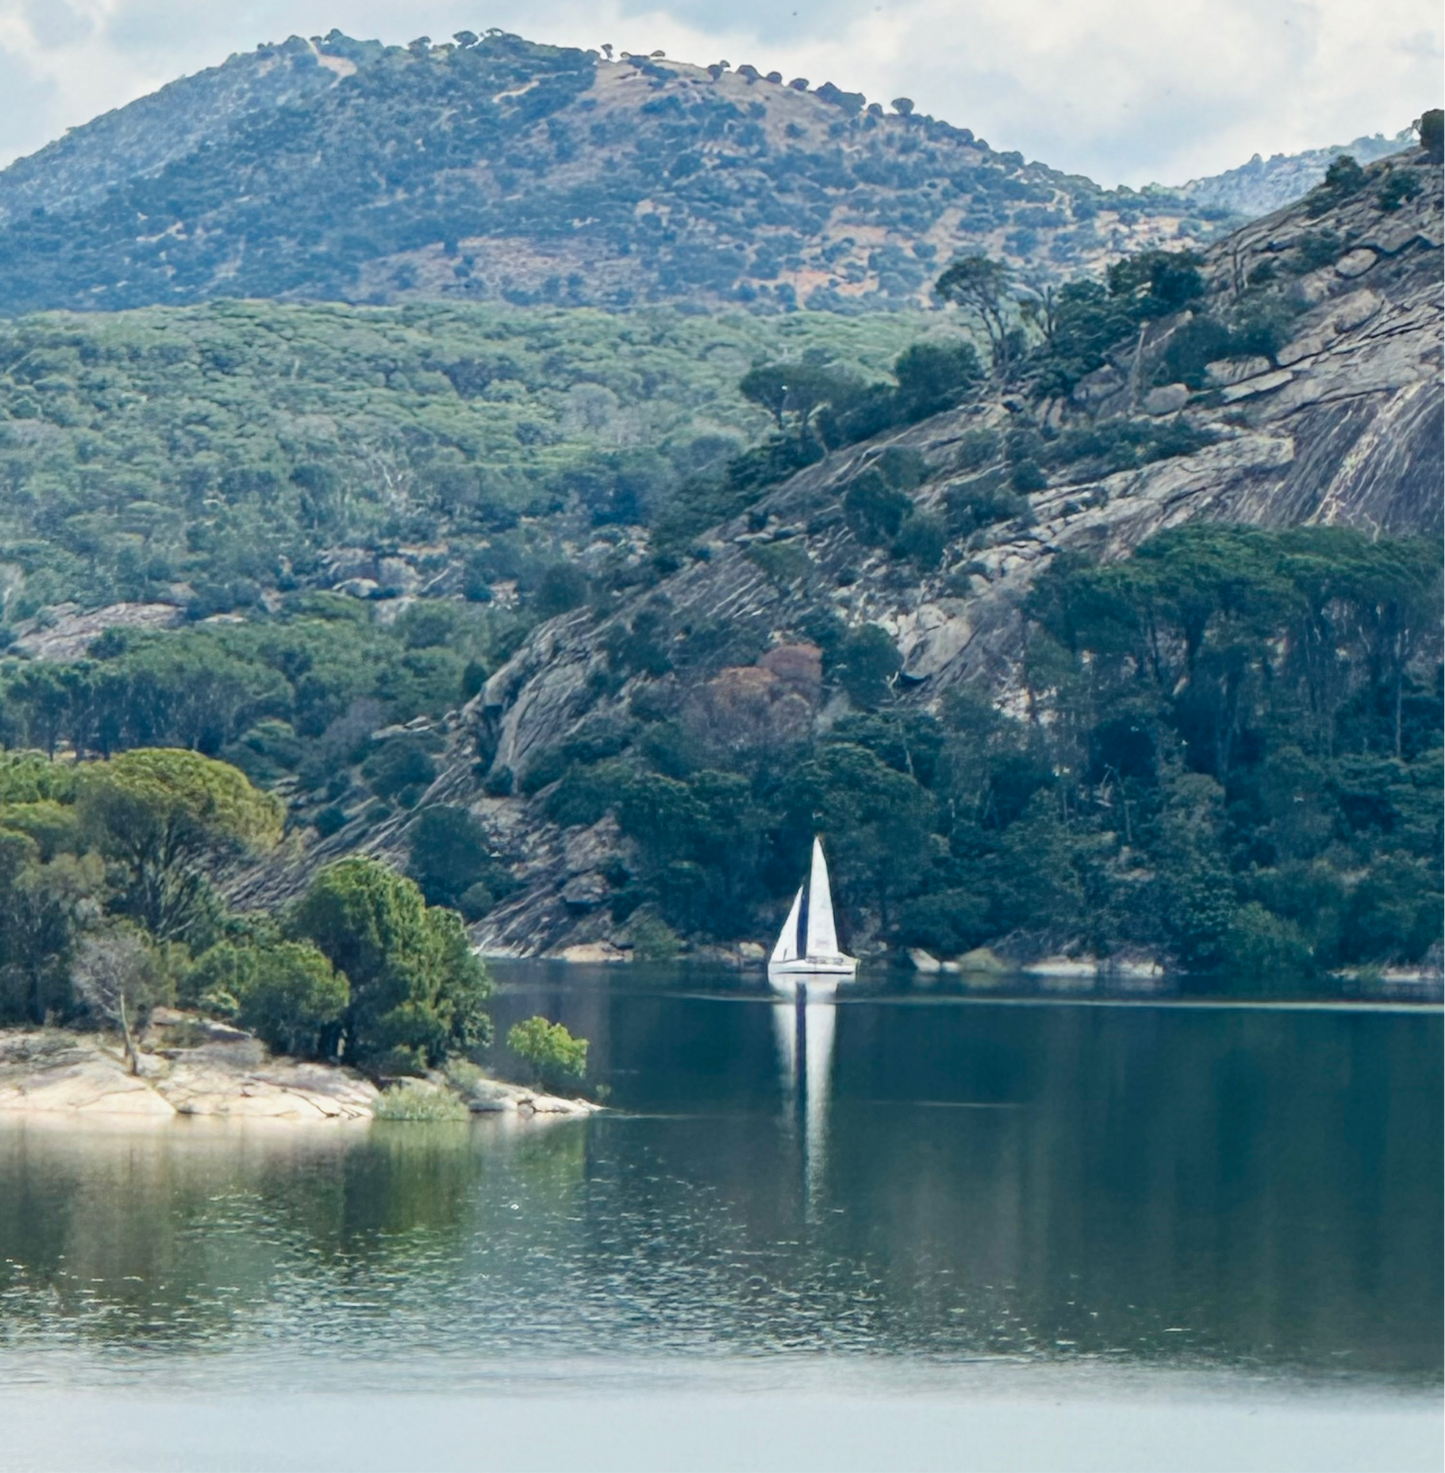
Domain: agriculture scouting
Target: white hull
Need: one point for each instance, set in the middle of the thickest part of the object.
(820, 978)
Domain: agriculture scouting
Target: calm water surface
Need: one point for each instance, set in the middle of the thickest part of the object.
(932, 1208)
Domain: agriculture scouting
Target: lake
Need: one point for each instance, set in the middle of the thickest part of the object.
(917, 1229)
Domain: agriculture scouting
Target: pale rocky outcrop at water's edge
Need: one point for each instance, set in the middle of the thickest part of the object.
(231, 1076)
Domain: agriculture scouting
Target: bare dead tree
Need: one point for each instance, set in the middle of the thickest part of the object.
(109, 975)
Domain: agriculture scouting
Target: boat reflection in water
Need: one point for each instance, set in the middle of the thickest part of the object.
(804, 1029)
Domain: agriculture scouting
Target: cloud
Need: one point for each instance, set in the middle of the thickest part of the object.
(1123, 90)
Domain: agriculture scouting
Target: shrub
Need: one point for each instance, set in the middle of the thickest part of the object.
(399, 765)
(653, 940)
(868, 663)
(1397, 188)
(549, 1050)
(921, 542)
(411, 1101)
(450, 852)
(874, 510)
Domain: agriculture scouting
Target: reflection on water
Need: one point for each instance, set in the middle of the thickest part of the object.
(914, 1179)
(804, 1032)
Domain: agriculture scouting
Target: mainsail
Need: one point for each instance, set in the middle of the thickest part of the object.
(822, 938)
(807, 946)
(787, 948)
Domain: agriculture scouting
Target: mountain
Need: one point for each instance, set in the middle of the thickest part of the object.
(499, 169)
(1295, 384)
(1264, 185)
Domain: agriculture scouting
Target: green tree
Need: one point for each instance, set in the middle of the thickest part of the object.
(799, 390)
(549, 1050)
(868, 663)
(417, 989)
(982, 288)
(1431, 128)
(170, 820)
(285, 992)
(449, 854)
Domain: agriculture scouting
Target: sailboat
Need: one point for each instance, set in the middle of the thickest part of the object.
(807, 947)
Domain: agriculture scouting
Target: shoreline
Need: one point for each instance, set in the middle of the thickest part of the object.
(227, 1075)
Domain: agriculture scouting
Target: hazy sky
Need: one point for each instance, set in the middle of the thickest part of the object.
(1126, 91)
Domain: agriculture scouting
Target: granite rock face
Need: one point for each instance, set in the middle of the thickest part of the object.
(80, 1074)
(1343, 427)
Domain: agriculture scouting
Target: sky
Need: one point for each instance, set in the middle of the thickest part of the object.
(1125, 91)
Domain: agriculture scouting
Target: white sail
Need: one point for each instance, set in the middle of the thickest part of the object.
(822, 934)
(787, 947)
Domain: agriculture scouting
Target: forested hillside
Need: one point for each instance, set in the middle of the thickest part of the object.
(1029, 708)
(492, 168)
(215, 457)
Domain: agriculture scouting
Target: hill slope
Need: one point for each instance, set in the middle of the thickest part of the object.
(1264, 185)
(349, 171)
(1341, 427)
(207, 456)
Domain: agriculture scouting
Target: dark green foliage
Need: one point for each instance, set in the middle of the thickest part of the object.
(867, 664)
(1398, 188)
(416, 989)
(401, 767)
(875, 511)
(982, 501)
(285, 992)
(1236, 763)
(1155, 283)
(1342, 179)
(1317, 248)
(934, 376)
(452, 860)
(921, 541)
(1432, 133)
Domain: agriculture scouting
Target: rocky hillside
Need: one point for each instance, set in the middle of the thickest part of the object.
(490, 168)
(1338, 424)
(1264, 185)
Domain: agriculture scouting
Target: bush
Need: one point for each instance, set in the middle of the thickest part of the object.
(874, 510)
(868, 663)
(947, 923)
(550, 1051)
(921, 542)
(1398, 187)
(400, 765)
(284, 992)
(653, 940)
(409, 1101)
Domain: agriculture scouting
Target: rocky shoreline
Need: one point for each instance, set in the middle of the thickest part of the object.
(193, 1067)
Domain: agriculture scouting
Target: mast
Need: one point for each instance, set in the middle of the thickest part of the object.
(822, 938)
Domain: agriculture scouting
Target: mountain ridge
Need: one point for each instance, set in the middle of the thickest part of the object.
(533, 173)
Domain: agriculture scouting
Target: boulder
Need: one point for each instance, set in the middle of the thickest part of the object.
(1166, 399)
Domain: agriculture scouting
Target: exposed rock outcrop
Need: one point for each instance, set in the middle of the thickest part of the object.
(1342, 426)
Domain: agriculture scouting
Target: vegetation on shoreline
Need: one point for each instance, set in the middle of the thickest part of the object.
(109, 907)
(1230, 756)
